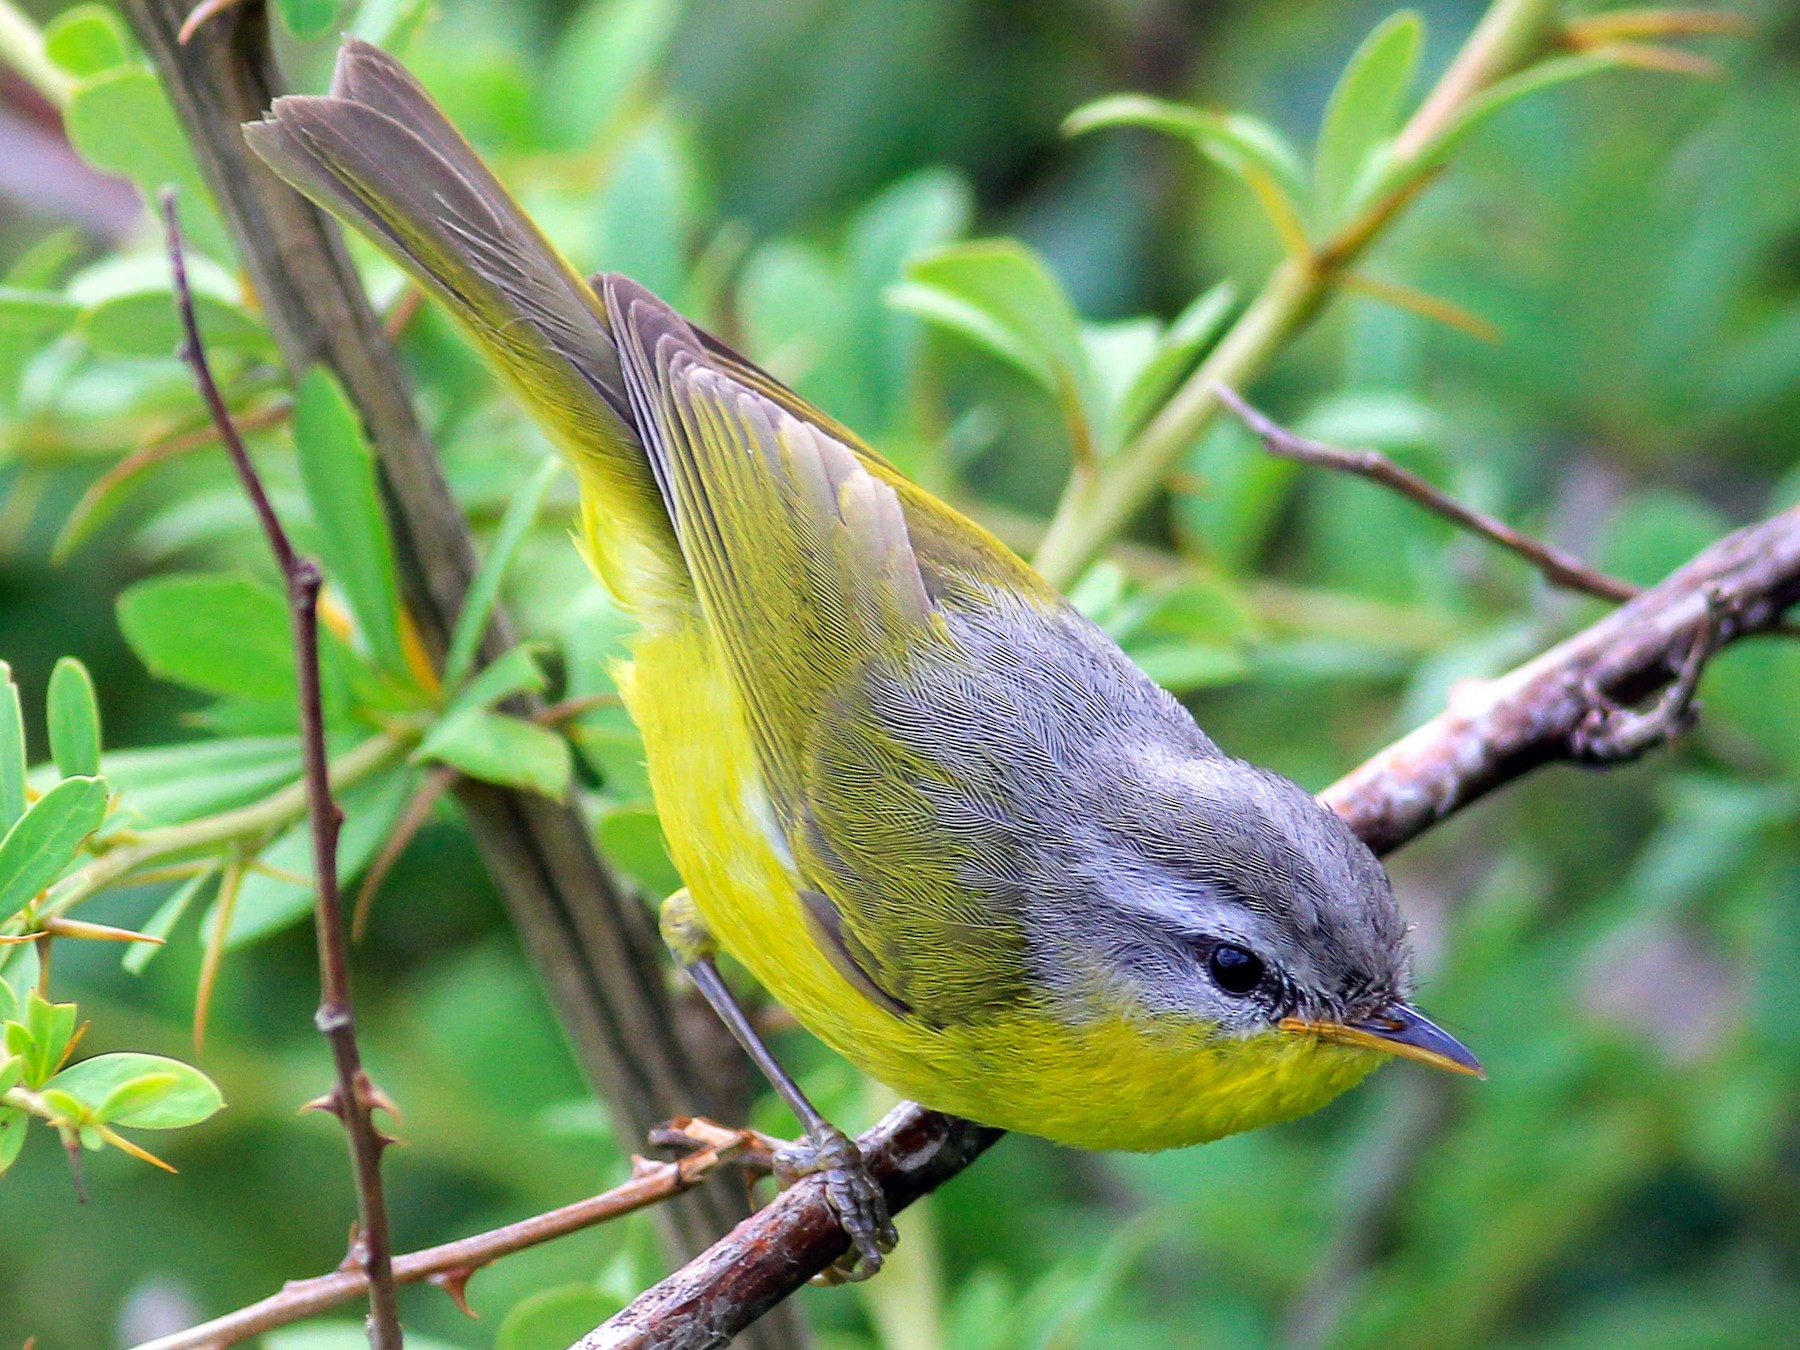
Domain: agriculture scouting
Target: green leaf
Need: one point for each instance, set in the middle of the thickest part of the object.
(554, 1319)
(162, 923)
(128, 306)
(74, 718)
(87, 39)
(1195, 329)
(49, 1027)
(1364, 109)
(215, 632)
(338, 469)
(1239, 503)
(135, 1095)
(604, 65)
(307, 19)
(497, 748)
(13, 1124)
(391, 24)
(919, 213)
(649, 214)
(796, 309)
(1654, 532)
(1545, 74)
(999, 295)
(120, 121)
(1184, 667)
(266, 903)
(30, 315)
(1116, 354)
(1246, 147)
(168, 784)
(44, 840)
(9, 1003)
(484, 590)
(12, 752)
(12, 1067)
(140, 1092)
(517, 672)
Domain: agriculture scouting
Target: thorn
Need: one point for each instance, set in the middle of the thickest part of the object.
(399, 315)
(1432, 307)
(69, 1049)
(1670, 60)
(1597, 29)
(642, 1167)
(356, 1253)
(56, 926)
(455, 1283)
(374, 1098)
(125, 1145)
(326, 1102)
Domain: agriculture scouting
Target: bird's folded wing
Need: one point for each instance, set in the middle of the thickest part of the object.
(806, 573)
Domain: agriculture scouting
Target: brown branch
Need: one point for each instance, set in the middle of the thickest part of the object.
(451, 1263)
(1496, 730)
(1492, 734)
(776, 1250)
(1559, 568)
(354, 1097)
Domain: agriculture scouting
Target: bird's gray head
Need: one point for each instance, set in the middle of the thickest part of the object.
(1218, 892)
(1154, 873)
(1226, 891)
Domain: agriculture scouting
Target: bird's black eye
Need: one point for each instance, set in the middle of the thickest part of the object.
(1233, 969)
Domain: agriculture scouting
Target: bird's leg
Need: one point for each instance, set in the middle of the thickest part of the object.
(854, 1193)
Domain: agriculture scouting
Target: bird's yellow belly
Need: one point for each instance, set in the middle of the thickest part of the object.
(1107, 1080)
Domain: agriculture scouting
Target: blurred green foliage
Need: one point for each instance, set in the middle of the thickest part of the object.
(804, 175)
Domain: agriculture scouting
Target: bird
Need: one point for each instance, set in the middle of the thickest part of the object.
(928, 805)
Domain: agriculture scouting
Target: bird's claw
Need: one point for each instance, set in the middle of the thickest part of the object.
(853, 1193)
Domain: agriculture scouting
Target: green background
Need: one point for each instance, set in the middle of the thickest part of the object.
(1621, 948)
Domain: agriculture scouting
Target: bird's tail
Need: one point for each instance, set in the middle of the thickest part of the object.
(381, 156)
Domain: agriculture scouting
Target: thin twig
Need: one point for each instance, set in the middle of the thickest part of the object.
(451, 1263)
(438, 780)
(1558, 568)
(354, 1097)
(1496, 730)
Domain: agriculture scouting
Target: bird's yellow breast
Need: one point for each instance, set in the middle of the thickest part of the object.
(1104, 1079)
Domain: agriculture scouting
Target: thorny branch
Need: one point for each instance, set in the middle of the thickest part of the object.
(450, 1264)
(354, 1097)
(1558, 568)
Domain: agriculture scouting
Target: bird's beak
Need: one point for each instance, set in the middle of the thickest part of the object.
(1398, 1029)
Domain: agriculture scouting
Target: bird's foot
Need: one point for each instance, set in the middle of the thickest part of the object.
(854, 1194)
